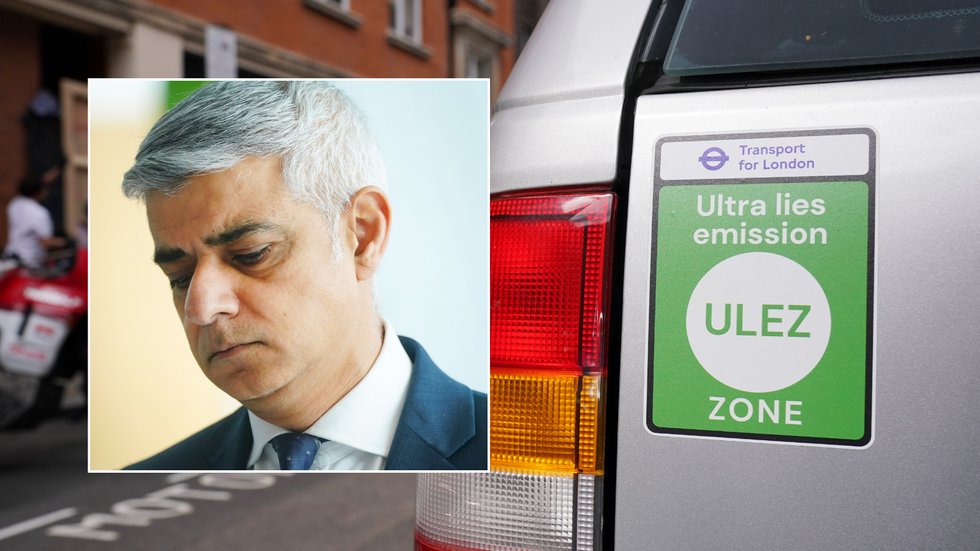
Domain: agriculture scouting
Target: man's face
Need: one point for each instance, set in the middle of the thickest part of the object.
(267, 313)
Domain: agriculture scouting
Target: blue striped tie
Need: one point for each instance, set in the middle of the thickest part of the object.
(295, 450)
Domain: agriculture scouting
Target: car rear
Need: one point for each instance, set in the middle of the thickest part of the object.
(626, 413)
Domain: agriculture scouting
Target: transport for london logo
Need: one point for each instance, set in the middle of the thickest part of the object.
(713, 158)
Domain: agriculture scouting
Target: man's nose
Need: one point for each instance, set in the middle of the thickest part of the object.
(211, 294)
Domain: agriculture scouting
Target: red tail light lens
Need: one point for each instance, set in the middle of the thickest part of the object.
(549, 286)
(547, 269)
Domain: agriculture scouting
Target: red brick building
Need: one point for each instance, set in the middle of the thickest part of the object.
(45, 41)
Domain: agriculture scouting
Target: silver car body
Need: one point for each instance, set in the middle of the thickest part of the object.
(917, 485)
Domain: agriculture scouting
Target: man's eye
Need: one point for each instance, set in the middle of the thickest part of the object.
(253, 258)
(181, 283)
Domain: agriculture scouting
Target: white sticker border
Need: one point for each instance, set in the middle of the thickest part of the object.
(871, 341)
(784, 156)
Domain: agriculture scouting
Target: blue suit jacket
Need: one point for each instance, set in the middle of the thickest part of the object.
(443, 426)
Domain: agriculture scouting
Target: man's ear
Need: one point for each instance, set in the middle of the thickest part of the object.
(369, 220)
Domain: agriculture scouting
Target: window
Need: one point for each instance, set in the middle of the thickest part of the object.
(477, 66)
(719, 36)
(337, 9)
(405, 19)
(477, 43)
(405, 27)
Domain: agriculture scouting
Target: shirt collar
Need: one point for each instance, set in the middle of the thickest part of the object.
(366, 418)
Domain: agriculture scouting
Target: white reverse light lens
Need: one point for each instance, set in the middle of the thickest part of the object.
(505, 511)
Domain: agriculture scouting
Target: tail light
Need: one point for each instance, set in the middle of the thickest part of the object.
(549, 287)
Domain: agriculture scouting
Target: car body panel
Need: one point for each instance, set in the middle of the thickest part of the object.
(917, 485)
(555, 144)
(557, 119)
(579, 49)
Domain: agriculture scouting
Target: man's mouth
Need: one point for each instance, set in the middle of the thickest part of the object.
(230, 351)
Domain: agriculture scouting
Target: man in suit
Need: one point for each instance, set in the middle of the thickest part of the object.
(267, 207)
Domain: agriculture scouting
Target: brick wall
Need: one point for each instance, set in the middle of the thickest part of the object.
(20, 76)
(363, 51)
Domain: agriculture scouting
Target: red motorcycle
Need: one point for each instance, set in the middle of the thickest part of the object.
(44, 340)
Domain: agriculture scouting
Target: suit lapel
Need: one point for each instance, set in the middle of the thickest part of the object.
(437, 418)
(230, 445)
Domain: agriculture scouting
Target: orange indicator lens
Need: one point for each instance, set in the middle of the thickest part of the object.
(545, 423)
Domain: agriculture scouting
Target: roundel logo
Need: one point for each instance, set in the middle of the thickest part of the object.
(713, 158)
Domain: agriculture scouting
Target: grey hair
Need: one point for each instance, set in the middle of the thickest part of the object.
(325, 147)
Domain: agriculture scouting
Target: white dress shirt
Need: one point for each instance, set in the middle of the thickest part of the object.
(360, 427)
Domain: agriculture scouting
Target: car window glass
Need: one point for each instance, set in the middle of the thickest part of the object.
(721, 36)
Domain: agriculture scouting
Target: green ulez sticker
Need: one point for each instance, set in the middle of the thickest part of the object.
(761, 309)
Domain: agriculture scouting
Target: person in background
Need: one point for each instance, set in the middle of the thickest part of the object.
(42, 128)
(30, 232)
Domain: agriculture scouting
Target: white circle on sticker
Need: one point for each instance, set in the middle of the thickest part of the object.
(758, 322)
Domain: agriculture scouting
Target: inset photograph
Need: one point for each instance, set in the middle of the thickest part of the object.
(288, 275)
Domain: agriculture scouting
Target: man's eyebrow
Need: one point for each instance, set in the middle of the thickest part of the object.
(237, 232)
(167, 255)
